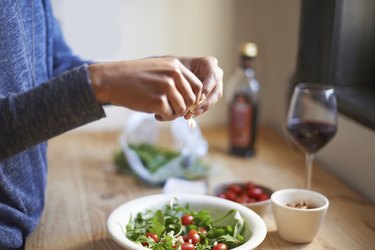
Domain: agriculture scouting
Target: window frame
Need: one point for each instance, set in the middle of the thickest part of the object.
(320, 58)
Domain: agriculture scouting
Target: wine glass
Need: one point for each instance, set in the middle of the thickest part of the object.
(312, 120)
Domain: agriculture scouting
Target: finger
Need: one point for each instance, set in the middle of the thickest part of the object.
(214, 79)
(185, 86)
(160, 118)
(190, 113)
(175, 100)
(212, 99)
(192, 93)
(164, 111)
(177, 103)
(194, 82)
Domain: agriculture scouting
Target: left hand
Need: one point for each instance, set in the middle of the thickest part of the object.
(208, 71)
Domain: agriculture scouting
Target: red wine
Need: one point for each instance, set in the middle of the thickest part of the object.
(311, 135)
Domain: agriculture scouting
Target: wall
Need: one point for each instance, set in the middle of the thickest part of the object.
(128, 29)
(273, 25)
(131, 29)
(351, 156)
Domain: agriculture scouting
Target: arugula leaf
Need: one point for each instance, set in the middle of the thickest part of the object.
(153, 157)
(239, 227)
(203, 219)
(158, 223)
(228, 219)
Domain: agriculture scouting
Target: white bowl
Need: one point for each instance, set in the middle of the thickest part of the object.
(295, 224)
(254, 234)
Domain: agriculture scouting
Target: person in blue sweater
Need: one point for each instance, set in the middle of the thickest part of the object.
(46, 90)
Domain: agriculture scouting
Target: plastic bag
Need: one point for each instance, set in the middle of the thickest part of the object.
(189, 143)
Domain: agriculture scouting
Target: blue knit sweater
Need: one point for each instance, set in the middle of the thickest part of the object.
(44, 91)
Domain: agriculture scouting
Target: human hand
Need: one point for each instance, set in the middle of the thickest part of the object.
(163, 86)
(208, 71)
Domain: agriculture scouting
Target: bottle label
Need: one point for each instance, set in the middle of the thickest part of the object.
(241, 122)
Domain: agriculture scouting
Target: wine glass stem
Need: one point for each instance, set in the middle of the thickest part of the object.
(309, 165)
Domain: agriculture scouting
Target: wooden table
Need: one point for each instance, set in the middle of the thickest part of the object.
(84, 187)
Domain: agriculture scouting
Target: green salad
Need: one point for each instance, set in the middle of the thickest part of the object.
(177, 227)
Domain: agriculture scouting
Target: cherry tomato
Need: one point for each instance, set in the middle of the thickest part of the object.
(243, 198)
(187, 246)
(220, 246)
(255, 192)
(250, 200)
(202, 230)
(263, 197)
(152, 236)
(236, 188)
(230, 195)
(249, 185)
(187, 219)
(193, 237)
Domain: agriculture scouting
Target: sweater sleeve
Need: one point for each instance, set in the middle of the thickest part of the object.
(52, 108)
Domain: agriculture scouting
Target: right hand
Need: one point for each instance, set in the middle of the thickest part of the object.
(163, 86)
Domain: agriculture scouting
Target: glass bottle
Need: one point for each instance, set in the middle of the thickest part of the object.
(243, 98)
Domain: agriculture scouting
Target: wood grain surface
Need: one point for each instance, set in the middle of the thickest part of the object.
(84, 187)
